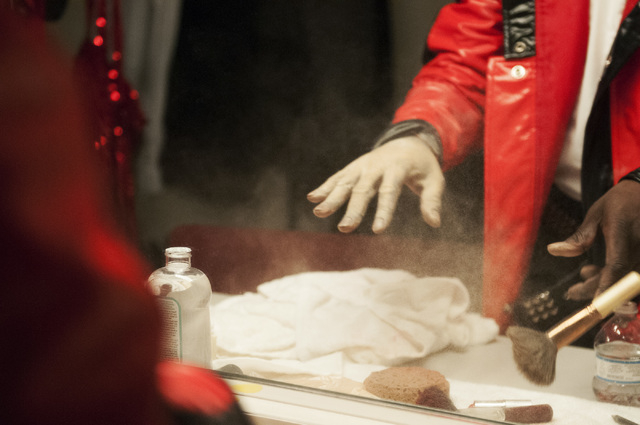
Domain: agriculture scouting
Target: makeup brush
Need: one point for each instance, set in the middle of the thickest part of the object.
(535, 352)
(436, 398)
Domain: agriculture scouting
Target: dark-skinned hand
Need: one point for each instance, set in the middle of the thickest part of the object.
(616, 215)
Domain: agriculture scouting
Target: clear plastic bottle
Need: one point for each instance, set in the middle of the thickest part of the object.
(617, 348)
(183, 294)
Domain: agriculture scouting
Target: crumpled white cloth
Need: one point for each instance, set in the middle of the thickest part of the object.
(372, 316)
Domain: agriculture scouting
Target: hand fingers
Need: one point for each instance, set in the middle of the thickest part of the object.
(589, 270)
(578, 243)
(384, 171)
(618, 247)
(321, 192)
(584, 290)
(616, 263)
(564, 249)
(361, 195)
(431, 199)
(339, 190)
(388, 194)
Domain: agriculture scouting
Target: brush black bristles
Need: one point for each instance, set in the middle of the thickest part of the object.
(436, 398)
(534, 353)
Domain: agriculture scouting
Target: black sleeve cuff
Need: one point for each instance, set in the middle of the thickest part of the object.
(634, 175)
(422, 129)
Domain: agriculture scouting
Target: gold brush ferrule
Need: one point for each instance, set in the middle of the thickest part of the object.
(573, 327)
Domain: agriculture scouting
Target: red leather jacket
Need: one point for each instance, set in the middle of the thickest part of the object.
(509, 86)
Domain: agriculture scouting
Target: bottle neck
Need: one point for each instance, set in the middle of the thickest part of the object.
(178, 256)
(628, 310)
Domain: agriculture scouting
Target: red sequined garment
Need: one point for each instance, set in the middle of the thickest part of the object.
(118, 120)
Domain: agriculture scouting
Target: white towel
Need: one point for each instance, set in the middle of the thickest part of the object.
(372, 316)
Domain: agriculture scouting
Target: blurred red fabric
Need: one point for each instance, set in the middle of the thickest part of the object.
(79, 332)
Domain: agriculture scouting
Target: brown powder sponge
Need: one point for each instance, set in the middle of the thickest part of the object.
(405, 384)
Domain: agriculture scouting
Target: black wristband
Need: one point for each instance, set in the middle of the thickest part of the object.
(422, 129)
(634, 175)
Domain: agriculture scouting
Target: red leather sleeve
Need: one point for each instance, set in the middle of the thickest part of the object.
(448, 92)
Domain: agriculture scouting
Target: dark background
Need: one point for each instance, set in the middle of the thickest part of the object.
(300, 87)
(264, 100)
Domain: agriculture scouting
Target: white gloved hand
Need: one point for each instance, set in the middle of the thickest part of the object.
(383, 171)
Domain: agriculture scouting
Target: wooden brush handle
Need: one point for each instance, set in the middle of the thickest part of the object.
(617, 294)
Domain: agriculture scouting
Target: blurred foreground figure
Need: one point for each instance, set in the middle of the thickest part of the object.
(549, 91)
(78, 331)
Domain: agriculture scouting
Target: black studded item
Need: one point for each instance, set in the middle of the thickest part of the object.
(541, 311)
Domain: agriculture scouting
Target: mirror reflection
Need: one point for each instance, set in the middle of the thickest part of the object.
(335, 209)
